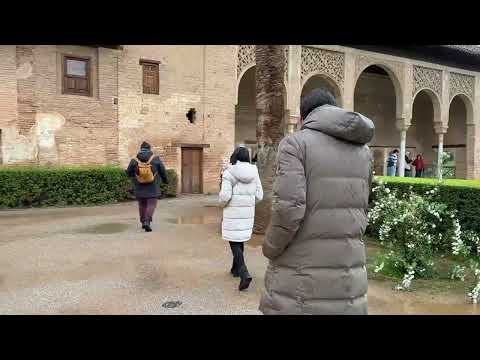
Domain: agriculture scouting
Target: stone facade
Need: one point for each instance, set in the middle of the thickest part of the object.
(40, 125)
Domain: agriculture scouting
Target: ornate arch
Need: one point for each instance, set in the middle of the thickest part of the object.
(436, 102)
(328, 79)
(427, 78)
(395, 71)
(246, 60)
(468, 103)
(461, 84)
(329, 63)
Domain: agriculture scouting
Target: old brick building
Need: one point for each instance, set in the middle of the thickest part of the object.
(73, 104)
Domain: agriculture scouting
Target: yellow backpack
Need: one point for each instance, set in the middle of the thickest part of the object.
(145, 173)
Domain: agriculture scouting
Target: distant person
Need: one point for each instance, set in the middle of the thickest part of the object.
(392, 163)
(148, 172)
(419, 166)
(408, 165)
(319, 214)
(241, 190)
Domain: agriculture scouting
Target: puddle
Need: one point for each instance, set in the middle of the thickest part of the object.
(108, 228)
(195, 220)
(417, 308)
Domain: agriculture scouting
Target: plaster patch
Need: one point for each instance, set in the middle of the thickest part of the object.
(24, 71)
(47, 124)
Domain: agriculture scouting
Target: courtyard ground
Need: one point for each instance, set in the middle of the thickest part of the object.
(96, 260)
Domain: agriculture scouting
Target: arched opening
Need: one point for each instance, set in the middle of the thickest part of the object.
(376, 98)
(320, 81)
(246, 112)
(421, 134)
(455, 140)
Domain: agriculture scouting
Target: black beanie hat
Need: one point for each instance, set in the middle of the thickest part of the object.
(145, 145)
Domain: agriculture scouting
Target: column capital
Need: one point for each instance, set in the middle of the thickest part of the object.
(402, 124)
(440, 128)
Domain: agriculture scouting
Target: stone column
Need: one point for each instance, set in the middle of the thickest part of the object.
(440, 129)
(294, 74)
(470, 143)
(349, 81)
(402, 126)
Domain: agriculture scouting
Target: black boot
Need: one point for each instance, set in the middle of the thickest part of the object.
(245, 280)
(146, 226)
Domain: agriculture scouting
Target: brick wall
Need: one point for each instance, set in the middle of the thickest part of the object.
(41, 125)
(197, 76)
(49, 127)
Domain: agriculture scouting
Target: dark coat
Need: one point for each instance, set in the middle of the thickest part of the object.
(319, 215)
(146, 191)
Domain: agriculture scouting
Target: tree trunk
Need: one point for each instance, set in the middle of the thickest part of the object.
(270, 70)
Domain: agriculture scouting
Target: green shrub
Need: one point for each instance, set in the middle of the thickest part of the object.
(55, 186)
(416, 227)
(460, 195)
(170, 189)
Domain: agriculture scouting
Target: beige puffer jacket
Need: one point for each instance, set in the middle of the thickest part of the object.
(319, 215)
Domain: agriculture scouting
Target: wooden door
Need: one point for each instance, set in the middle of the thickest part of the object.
(191, 171)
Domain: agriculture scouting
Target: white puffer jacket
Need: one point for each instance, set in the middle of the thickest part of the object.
(241, 190)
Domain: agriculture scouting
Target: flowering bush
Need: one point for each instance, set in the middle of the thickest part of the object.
(414, 229)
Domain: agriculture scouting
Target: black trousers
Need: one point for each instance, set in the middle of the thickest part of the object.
(239, 265)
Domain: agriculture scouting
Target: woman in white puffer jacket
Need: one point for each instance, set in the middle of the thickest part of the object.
(241, 190)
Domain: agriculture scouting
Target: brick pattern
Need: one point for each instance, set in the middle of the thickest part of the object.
(200, 77)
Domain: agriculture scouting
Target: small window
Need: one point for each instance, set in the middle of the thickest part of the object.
(150, 78)
(76, 76)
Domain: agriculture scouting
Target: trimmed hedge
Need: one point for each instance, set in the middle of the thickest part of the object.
(462, 195)
(53, 186)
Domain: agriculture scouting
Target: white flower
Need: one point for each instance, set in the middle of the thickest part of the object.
(379, 267)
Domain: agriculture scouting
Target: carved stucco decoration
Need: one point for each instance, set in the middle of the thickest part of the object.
(427, 78)
(362, 62)
(327, 62)
(246, 58)
(461, 84)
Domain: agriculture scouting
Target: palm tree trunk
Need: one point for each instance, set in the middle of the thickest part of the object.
(270, 70)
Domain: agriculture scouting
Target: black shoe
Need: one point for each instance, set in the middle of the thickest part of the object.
(143, 226)
(147, 227)
(245, 282)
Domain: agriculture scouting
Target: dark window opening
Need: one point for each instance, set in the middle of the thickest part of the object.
(76, 76)
(150, 78)
(191, 115)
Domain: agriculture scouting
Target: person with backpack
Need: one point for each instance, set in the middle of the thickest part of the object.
(147, 171)
(241, 189)
(392, 163)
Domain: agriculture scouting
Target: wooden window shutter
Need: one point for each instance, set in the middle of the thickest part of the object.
(76, 76)
(150, 78)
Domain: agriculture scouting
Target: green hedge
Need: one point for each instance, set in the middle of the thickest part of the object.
(40, 186)
(170, 189)
(462, 195)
